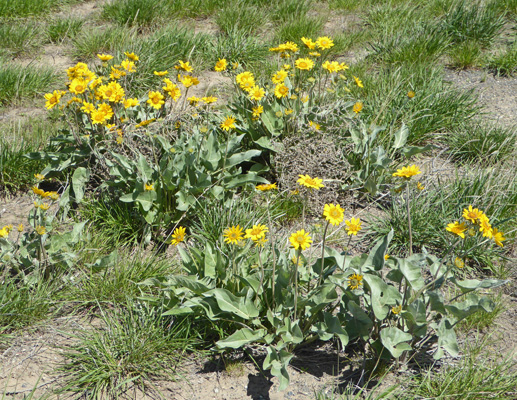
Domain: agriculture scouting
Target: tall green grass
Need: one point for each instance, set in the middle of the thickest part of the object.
(24, 8)
(19, 82)
(18, 38)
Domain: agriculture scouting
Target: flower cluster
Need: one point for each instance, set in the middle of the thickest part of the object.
(476, 219)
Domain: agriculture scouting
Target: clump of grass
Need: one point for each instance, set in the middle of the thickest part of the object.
(18, 38)
(285, 10)
(134, 12)
(504, 63)
(465, 55)
(117, 283)
(99, 40)
(238, 47)
(422, 43)
(63, 28)
(481, 143)
(18, 82)
(20, 138)
(473, 21)
(241, 17)
(23, 304)
(133, 346)
(303, 26)
(24, 8)
(473, 379)
(436, 107)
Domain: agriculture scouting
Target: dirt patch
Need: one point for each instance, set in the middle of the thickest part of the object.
(14, 211)
(496, 94)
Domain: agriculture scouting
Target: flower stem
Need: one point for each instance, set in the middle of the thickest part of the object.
(298, 254)
(409, 221)
(323, 253)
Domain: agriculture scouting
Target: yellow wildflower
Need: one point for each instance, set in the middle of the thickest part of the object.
(334, 214)
(233, 235)
(311, 183)
(178, 236)
(355, 281)
(300, 239)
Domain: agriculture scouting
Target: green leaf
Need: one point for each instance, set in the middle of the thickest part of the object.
(277, 362)
(240, 338)
(80, 178)
(334, 326)
(104, 262)
(237, 306)
(411, 151)
(376, 256)
(240, 180)
(412, 272)
(401, 137)
(382, 295)
(145, 170)
(189, 282)
(395, 341)
(146, 199)
(446, 339)
(473, 284)
(239, 158)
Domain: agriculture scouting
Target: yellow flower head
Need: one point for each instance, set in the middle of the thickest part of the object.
(355, 281)
(353, 226)
(410, 94)
(256, 93)
(498, 237)
(39, 177)
(266, 187)
(38, 191)
(156, 100)
(309, 43)
(233, 235)
(78, 86)
(117, 73)
(149, 187)
(131, 56)
(52, 99)
(279, 76)
(184, 66)
(396, 310)
(256, 111)
(324, 43)
(209, 99)
(300, 239)
(132, 102)
(457, 228)
(129, 66)
(104, 57)
(407, 172)
(333, 213)
(386, 257)
(221, 65)
(193, 100)
(228, 123)
(161, 73)
(246, 80)
(358, 107)
(88, 108)
(358, 82)
(459, 263)
(485, 227)
(145, 122)
(19, 228)
(281, 91)
(311, 183)
(304, 64)
(331, 66)
(4, 232)
(40, 230)
(472, 214)
(52, 195)
(420, 186)
(188, 81)
(171, 89)
(257, 232)
(314, 125)
(178, 236)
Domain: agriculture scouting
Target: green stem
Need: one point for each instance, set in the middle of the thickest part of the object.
(409, 221)
(323, 253)
(298, 254)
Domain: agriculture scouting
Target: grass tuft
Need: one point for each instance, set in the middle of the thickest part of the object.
(18, 38)
(63, 28)
(18, 82)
